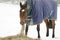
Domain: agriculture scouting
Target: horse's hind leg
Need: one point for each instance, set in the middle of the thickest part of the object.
(26, 30)
(38, 29)
(47, 25)
(53, 26)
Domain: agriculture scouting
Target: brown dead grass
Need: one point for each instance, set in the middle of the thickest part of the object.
(17, 37)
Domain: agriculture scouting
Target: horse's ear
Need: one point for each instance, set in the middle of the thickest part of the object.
(20, 4)
(26, 4)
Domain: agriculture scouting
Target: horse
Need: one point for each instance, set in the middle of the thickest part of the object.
(49, 23)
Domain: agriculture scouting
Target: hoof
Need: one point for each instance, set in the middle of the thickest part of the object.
(47, 35)
(53, 36)
(25, 35)
(38, 36)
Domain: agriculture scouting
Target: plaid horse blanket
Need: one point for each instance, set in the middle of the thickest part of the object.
(39, 10)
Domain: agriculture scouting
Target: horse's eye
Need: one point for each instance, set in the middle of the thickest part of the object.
(23, 10)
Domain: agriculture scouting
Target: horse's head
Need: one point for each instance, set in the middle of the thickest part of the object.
(23, 13)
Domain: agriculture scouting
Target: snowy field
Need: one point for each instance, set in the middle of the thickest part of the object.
(9, 23)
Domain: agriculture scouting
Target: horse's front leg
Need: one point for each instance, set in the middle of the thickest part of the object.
(26, 30)
(22, 30)
(38, 30)
(53, 26)
(47, 25)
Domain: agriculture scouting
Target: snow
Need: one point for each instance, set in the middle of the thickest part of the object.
(9, 23)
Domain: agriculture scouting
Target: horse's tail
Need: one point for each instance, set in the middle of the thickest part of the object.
(50, 24)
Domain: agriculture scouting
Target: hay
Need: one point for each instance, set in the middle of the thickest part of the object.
(17, 37)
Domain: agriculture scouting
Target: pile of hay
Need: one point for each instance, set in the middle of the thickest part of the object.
(17, 37)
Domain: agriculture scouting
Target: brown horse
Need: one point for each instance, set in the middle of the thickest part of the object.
(49, 23)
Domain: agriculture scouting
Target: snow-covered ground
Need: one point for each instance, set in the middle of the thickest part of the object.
(9, 23)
